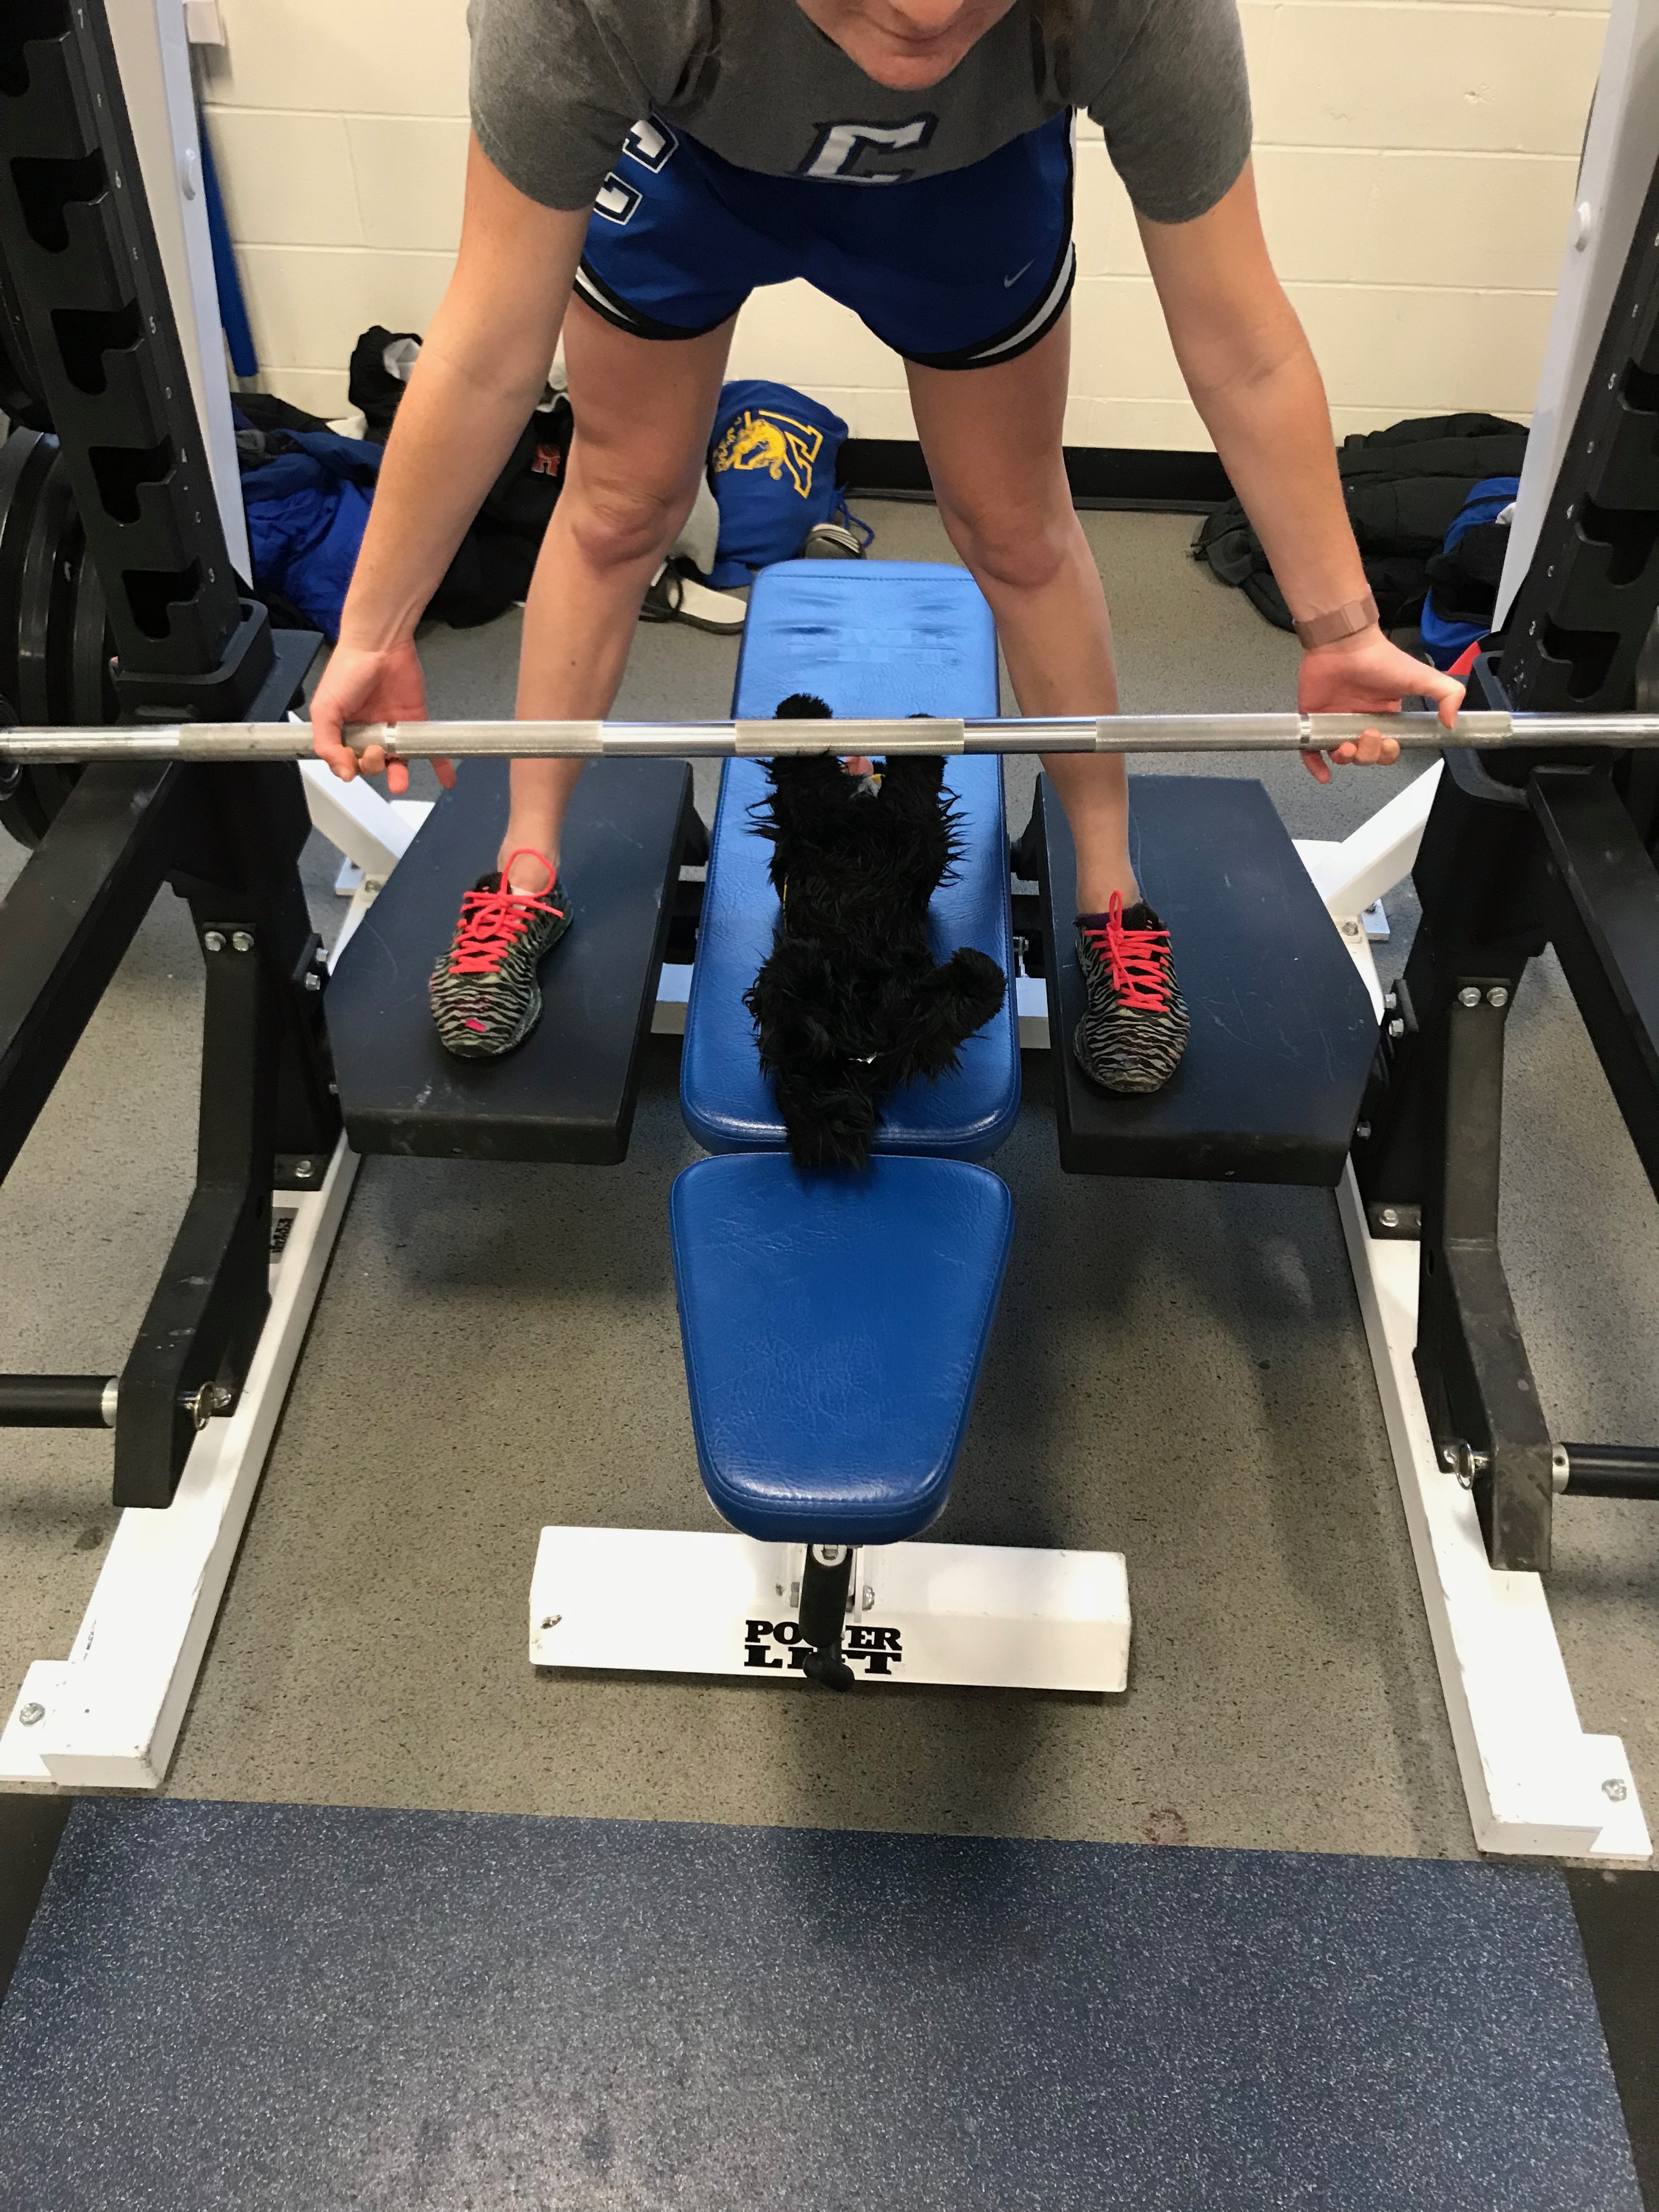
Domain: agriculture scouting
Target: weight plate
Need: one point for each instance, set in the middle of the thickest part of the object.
(45, 600)
(21, 392)
(92, 687)
(21, 811)
(16, 500)
(42, 556)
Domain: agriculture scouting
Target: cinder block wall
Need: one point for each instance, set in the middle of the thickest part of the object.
(1415, 160)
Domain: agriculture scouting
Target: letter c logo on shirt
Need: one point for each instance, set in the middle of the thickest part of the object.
(841, 146)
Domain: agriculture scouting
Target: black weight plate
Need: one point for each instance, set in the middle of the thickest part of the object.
(22, 393)
(92, 687)
(19, 807)
(46, 601)
(20, 476)
(22, 816)
(41, 551)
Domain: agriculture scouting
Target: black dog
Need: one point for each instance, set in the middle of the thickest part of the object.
(850, 1003)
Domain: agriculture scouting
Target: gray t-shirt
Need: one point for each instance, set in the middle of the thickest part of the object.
(558, 84)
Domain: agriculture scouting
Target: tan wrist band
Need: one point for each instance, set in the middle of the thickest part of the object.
(1339, 622)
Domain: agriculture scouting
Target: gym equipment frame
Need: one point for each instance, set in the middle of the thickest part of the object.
(1511, 847)
(152, 622)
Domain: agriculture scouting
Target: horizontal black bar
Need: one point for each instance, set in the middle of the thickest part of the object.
(1151, 478)
(1147, 479)
(1611, 1471)
(57, 1401)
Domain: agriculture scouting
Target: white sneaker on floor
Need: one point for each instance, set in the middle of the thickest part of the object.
(673, 596)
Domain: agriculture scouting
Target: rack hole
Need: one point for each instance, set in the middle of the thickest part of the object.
(85, 335)
(121, 470)
(1588, 655)
(47, 190)
(1629, 533)
(19, 21)
(152, 593)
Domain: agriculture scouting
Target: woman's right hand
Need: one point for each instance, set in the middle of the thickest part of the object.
(360, 685)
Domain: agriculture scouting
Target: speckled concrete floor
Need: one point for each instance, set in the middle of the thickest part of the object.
(1177, 1370)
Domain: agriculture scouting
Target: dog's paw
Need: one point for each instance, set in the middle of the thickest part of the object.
(949, 1005)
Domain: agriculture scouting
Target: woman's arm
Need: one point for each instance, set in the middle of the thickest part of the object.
(1254, 381)
(483, 366)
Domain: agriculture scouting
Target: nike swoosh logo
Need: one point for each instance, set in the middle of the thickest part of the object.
(1015, 278)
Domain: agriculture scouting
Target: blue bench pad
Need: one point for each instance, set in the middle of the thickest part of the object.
(869, 637)
(728, 1103)
(888, 638)
(834, 1328)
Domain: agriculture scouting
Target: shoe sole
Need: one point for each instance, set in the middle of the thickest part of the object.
(714, 628)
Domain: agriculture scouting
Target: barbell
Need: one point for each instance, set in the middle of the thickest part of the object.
(583, 740)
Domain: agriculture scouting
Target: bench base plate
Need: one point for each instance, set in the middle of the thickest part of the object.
(662, 1602)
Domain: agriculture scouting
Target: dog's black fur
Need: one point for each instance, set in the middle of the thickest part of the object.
(850, 1003)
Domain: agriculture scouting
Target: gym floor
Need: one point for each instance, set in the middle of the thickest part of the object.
(1178, 1372)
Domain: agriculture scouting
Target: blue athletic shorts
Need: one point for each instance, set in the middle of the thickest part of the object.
(954, 272)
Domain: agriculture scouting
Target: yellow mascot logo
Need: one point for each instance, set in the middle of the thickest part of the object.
(776, 443)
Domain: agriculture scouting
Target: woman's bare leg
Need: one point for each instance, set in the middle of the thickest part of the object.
(991, 437)
(643, 411)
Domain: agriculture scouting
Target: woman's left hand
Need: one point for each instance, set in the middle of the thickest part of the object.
(1366, 675)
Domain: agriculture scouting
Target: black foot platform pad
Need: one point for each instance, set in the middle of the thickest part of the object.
(568, 1092)
(1282, 1028)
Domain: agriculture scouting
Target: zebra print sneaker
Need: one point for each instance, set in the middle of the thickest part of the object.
(1135, 1029)
(485, 997)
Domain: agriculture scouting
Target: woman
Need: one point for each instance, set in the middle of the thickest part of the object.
(636, 167)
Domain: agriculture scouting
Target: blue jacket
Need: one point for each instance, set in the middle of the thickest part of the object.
(306, 511)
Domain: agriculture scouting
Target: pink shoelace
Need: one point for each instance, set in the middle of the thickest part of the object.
(1140, 975)
(492, 922)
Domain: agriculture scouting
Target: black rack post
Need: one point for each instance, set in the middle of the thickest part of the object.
(1523, 851)
(76, 237)
(1583, 613)
(1504, 870)
(84, 309)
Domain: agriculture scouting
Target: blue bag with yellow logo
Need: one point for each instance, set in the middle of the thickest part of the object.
(772, 469)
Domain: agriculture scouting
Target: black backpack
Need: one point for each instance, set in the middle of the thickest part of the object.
(1403, 487)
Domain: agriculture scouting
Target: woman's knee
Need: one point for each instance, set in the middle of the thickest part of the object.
(1022, 547)
(623, 524)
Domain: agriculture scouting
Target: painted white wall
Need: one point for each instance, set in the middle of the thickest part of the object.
(1613, 186)
(1416, 162)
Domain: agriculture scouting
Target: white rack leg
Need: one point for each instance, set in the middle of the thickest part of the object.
(1534, 1781)
(109, 1715)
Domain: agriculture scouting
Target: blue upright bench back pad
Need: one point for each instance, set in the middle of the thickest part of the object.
(884, 638)
(834, 1327)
